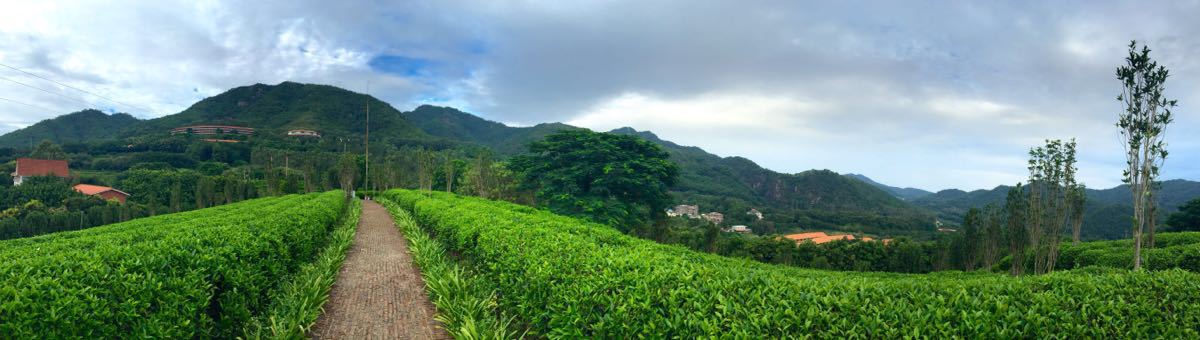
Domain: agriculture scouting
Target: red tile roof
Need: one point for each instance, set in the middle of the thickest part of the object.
(41, 167)
(88, 189)
(805, 236)
(831, 238)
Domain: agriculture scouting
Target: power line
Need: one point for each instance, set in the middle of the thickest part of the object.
(29, 105)
(76, 88)
(86, 104)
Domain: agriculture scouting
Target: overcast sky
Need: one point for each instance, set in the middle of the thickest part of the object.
(931, 95)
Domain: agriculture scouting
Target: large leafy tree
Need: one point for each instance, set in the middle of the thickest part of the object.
(48, 150)
(1147, 112)
(1187, 218)
(619, 180)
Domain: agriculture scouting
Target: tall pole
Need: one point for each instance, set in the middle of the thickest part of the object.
(367, 142)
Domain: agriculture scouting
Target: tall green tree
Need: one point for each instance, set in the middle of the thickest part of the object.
(619, 180)
(1077, 198)
(1051, 176)
(48, 150)
(1187, 218)
(1142, 124)
(1016, 210)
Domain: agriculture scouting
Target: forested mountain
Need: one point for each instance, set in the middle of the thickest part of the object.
(1106, 215)
(815, 199)
(903, 193)
(452, 124)
(274, 109)
(83, 126)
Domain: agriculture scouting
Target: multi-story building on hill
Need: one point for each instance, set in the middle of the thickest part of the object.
(303, 133)
(213, 130)
(714, 217)
(692, 211)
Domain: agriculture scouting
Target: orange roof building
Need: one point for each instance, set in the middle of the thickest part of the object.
(819, 237)
(831, 238)
(805, 236)
(102, 191)
(29, 167)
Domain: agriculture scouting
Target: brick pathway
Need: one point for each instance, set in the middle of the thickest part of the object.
(379, 293)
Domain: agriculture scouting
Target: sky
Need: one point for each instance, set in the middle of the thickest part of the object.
(932, 95)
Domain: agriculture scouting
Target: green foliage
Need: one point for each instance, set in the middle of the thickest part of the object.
(204, 273)
(48, 150)
(1187, 218)
(1106, 211)
(296, 305)
(466, 305)
(274, 109)
(565, 278)
(617, 180)
(1172, 250)
(83, 126)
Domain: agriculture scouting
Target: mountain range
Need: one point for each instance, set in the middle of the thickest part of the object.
(814, 199)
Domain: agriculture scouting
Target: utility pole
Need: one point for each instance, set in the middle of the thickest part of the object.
(367, 143)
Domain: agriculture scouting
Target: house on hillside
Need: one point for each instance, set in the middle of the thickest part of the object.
(213, 130)
(714, 217)
(102, 191)
(755, 213)
(691, 211)
(817, 237)
(303, 133)
(740, 229)
(29, 167)
(800, 237)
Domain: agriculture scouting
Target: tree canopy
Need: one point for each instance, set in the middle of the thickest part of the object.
(1187, 218)
(48, 150)
(619, 180)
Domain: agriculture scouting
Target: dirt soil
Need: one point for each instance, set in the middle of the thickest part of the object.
(379, 293)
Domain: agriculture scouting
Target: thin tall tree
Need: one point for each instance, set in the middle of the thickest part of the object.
(1078, 198)
(1143, 123)
(1016, 208)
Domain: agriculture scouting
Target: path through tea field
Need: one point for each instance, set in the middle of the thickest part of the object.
(379, 293)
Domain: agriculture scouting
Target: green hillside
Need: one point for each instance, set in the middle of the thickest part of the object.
(78, 127)
(452, 124)
(814, 199)
(1106, 215)
(274, 109)
(903, 193)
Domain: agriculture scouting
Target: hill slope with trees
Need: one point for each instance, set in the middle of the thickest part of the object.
(78, 127)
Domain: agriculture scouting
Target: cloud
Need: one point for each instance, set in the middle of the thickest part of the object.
(924, 94)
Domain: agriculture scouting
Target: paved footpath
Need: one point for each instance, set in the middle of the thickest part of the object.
(379, 293)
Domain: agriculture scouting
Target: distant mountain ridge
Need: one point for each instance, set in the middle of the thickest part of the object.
(814, 199)
(77, 127)
(906, 194)
(274, 109)
(1106, 214)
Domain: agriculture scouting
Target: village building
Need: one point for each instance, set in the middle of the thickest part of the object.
(756, 213)
(303, 133)
(29, 167)
(714, 217)
(692, 211)
(102, 192)
(213, 130)
(741, 229)
(819, 237)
